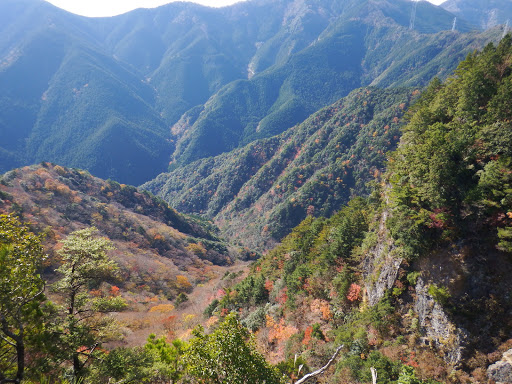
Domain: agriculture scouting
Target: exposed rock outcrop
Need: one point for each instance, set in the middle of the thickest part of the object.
(444, 268)
(437, 327)
(501, 371)
(380, 267)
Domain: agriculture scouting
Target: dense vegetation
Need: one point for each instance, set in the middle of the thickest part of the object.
(451, 177)
(442, 212)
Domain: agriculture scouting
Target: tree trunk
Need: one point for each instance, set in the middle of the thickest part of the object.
(20, 355)
(77, 367)
(321, 370)
(19, 345)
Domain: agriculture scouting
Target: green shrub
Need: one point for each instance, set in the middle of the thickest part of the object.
(440, 294)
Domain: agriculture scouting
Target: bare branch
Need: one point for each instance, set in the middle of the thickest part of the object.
(89, 356)
(7, 341)
(321, 370)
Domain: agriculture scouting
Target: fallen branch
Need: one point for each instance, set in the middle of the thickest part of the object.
(321, 370)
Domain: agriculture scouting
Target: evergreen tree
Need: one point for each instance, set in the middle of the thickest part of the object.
(85, 261)
(21, 293)
(227, 355)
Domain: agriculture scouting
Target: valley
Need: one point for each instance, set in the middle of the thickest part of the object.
(230, 195)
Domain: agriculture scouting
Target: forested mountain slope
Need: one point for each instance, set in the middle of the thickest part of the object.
(154, 243)
(364, 43)
(418, 274)
(66, 99)
(105, 94)
(272, 186)
(258, 193)
(412, 280)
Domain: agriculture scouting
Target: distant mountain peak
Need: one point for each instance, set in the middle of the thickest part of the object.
(484, 14)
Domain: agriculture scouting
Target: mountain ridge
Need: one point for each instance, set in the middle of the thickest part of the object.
(145, 69)
(272, 184)
(485, 15)
(56, 201)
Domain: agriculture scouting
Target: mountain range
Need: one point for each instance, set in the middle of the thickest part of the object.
(258, 193)
(125, 96)
(359, 149)
(481, 13)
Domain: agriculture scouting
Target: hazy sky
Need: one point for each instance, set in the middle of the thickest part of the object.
(116, 7)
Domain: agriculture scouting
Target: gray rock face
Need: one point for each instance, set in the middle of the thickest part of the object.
(437, 327)
(380, 267)
(501, 371)
(387, 268)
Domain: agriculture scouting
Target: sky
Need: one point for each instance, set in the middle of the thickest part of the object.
(96, 8)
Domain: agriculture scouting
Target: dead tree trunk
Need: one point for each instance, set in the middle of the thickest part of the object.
(321, 370)
(374, 375)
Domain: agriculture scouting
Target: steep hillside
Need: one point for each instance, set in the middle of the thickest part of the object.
(482, 13)
(364, 43)
(258, 193)
(154, 244)
(413, 281)
(64, 99)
